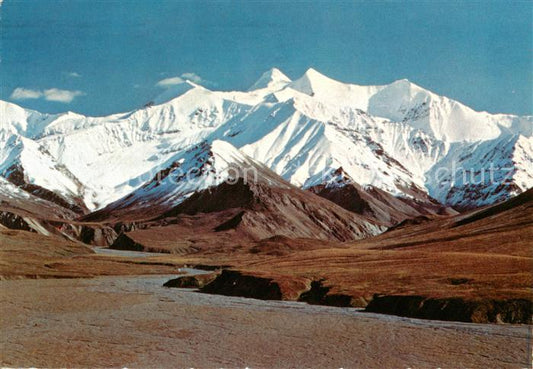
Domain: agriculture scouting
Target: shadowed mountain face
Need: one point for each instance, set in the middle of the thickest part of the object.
(268, 211)
(377, 204)
(20, 209)
(23, 210)
(17, 177)
(213, 190)
(235, 194)
(504, 228)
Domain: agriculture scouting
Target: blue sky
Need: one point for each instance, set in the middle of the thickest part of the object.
(101, 57)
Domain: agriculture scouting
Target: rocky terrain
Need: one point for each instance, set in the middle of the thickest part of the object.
(377, 204)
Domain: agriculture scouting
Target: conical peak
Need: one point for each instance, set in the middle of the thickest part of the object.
(311, 72)
(271, 77)
(276, 74)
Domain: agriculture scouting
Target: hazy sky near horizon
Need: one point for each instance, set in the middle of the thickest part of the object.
(102, 57)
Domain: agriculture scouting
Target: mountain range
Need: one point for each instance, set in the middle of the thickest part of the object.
(384, 153)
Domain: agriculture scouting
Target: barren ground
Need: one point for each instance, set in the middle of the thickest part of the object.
(134, 322)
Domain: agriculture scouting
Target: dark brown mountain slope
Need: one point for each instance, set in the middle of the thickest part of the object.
(234, 215)
(227, 193)
(377, 204)
(24, 211)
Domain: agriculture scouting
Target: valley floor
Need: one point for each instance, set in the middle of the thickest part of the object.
(132, 321)
(67, 304)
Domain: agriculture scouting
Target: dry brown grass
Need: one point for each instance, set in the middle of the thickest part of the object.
(480, 255)
(31, 255)
(471, 256)
(475, 256)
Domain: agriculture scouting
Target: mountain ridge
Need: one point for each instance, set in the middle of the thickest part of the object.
(392, 137)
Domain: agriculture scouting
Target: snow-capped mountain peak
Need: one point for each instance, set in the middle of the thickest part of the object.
(26, 122)
(333, 92)
(271, 79)
(199, 167)
(392, 137)
(173, 92)
(312, 82)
